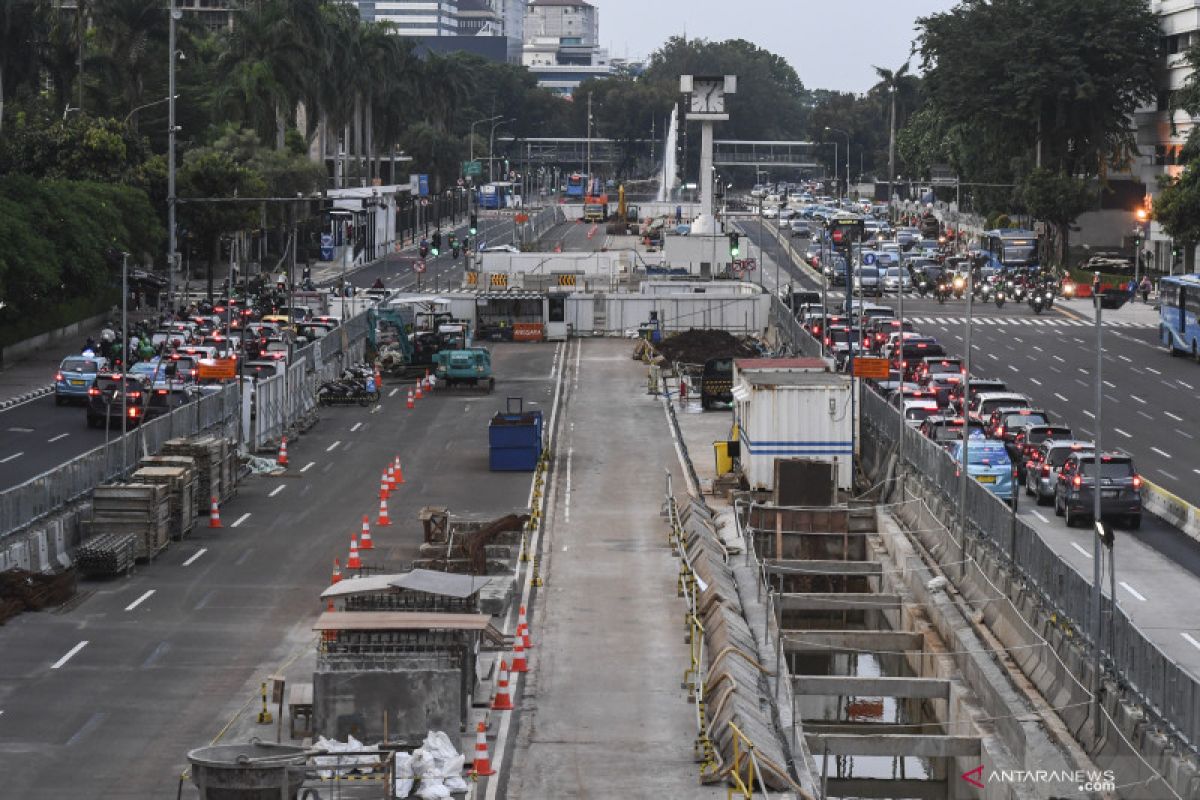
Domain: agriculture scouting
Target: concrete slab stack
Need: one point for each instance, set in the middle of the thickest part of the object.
(181, 488)
(142, 509)
(214, 477)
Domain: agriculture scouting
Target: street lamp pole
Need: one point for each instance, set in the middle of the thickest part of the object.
(1096, 551)
(847, 135)
(966, 431)
(492, 148)
(473, 124)
(172, 242)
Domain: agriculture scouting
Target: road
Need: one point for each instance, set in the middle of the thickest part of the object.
(1051, 357)
(172, 652)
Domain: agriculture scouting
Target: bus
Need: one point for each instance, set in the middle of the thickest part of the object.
(1179, 314)
(497, 194)
(1010, 248)
(577, 185)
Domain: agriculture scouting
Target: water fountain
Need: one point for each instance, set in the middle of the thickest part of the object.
(669, 180)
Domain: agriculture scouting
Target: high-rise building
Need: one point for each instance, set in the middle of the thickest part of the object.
(413, 17)
(562, 44)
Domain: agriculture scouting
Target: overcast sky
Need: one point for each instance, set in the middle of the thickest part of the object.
(831, 44)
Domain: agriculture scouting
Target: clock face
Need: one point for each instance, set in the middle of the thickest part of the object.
(708, 97)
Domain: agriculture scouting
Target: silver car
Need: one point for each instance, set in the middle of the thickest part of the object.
(896, 277)
(1041, 477)
(867, 281)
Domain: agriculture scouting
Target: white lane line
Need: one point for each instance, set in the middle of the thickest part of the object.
(1132, 591)
(1060, 397)
(1182, 432)
(1039, 515)
(567, 492)
(1086, 554)
(1126, 358)
(277, 489)
(1160, 452)
(392, 393)
(993, 356)
(1110, 384)
(1035, 380)
(1123, 433)
(1014, 369)
(140, 600)
(60, 436)
(355, 427)
(1147, 416)
(1152, 369)
(1059, 359)
(1090, 414)
(195, 556)
(1040, 350)
(58, 664)
(1184, 385)
(1191, 640)
(1174, 417)
(308, 466)
(6, 459)
(1169, 475)
(240, 519)
(331, 447)
(1140, 400)
(1082, 370)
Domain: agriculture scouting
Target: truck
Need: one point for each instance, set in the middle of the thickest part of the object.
(595, 208)
(716, 382)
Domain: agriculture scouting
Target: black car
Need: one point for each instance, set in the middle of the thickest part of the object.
(976, 385)
(165, 399)
(945, 429)
(1120, 488)
(105, 402)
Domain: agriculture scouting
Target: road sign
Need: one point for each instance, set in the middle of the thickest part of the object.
(460, 181)
(874, 368)
(216, 368)
(419, 266)
(566, 280)
(868, 259)
(472, 278)
(472, 169)
(500, 279)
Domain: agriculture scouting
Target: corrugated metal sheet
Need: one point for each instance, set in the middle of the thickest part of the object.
(793, 421)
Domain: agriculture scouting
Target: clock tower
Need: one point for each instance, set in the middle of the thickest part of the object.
(706, 105)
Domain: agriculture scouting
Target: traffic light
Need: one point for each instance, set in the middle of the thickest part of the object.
(474, 224)
(733, 245)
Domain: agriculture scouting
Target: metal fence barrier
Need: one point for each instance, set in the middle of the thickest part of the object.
(1168, 690)
(790, 331)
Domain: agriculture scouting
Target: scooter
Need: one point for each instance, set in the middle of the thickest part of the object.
(1000, 297)
(960, 286)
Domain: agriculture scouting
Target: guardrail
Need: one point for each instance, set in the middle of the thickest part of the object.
(790, 331)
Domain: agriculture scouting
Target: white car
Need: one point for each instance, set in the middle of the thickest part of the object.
(770, 212)
(917, 409)
(896, 277)
(786, 213)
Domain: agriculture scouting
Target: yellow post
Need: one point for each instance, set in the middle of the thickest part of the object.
(264, 716)
(536, 580)
(524, 549)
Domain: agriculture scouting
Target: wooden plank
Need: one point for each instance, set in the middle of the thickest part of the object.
(845, 685)
(895, 744)
(818, 641)
(838, 601)
(822, 567)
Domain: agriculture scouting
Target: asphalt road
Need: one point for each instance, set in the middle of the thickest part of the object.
(37, 436)
(171, 651)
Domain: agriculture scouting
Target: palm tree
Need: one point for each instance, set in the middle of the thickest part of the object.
(18, 58)
(132, 36)
(890, 80)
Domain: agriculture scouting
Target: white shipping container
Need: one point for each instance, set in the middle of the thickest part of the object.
(791, 408)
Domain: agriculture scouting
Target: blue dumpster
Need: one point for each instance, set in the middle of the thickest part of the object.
(515, 438)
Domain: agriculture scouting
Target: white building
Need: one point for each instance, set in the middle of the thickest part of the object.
(413, 17)
(562, 44)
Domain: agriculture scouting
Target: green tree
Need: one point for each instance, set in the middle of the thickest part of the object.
(1177, 208)
(132, 41)
(79, 147)
(1058, 200)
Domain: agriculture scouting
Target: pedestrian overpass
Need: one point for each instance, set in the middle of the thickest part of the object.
(746, 153)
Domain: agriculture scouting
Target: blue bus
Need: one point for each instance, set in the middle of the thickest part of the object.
(497, 194)
(1179, 314)
(1010, 248)
(577, 185)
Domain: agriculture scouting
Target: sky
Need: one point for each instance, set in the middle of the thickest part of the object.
(832, 44)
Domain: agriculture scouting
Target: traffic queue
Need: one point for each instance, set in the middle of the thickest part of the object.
(1012, 443)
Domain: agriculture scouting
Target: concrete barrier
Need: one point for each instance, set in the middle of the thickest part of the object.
(1172, 509)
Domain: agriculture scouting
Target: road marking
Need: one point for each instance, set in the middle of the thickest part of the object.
(1160, 452)
(140, 600)
(1039, 515)
(1132, 591)
(1123, 433)
(1110, 384)
(1152, 369)
(1018, 340)
(1140, 400)
(1086, 554)
(1035, 380)
(60, 436)
(308, 466)
(1040, 350)
(355, 427)
(240, 519)
(1111, 398)
(1082, 370)
(1169, 475)
(1060, 397)
(331, 447)
(243, 558)
(1014, 369)
(67, 657)
(6, 459)
(1184, 433)
(392, 393)
(1184, 385)
(1060, 359)
(277, 489)
(1126, 358)
(567, 493)
(1081, 382)
(204, 600)
(195, 556)
(92, 723)
(1191, 640)
(1147, 416)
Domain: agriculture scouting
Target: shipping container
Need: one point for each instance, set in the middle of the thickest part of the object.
(791, 408)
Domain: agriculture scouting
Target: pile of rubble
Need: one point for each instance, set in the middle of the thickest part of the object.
(697, 345)
(21, 590)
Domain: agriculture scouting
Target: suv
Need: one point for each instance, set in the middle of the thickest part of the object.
(1005, 422)
(75, 375)
(1041, 472)
(880, 327)
(940, 365)
(946, 430)
(1120, 488)
(977, 386)
(165, 399)
(105, 404)
(910, 357)
(1025, 444)
(984, 403)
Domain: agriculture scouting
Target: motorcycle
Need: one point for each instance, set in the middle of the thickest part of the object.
(923, 287)
(1018, 293)
(941, 292)
(984, 294)
(1000, 298)
(960, 286)
(1037, 302)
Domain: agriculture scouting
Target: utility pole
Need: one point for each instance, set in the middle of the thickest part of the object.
(124, 360)
(1097, 553)
(966, 431)
(589, 141)
(172, 244)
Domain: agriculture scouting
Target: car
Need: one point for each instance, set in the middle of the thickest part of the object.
(785, 214)
(945, 429)
(106, 405)
(770, 212)
(1120, 488)
(1026, 443)
(165, 399)
(1041, 470)
(801, 228)
(75, 376)
(916, 409)
(880, 328)
(988, 463)
(976, 386)
(940, 365)
(941, 384)
(262, 369)
(1005, 422)
(896, 279)
(910, 356)
(867, 281)
(984, 403)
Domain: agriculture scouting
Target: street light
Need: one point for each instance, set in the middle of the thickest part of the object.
(167, 99)
(1143, 217)
(473, 124)
(173, 17)
(492, 146)
(847, 135)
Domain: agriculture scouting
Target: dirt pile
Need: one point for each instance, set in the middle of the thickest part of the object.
(697, 345)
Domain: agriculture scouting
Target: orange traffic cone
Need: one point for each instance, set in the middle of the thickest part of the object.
(519, 664)
(383, 486)
(337, 572)
(523, 629)
(483, 762)
(391, 477)
(410, 403)
(214, 514)
(383, 520)
(354, 562)
(503, 700)
(281, 459)
(399, 471)
(417, 394)
(378, 380)
(366, 544)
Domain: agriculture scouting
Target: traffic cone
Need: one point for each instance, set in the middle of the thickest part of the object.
(417, 394)
(383, 486)
(410, 403)
(483, 762)
(366, 543)
(519, 664)
(337, 572)
(383, 520)
(391, 477)
(281, 459)
(523, 629)
(503, 700)
(214, 514)
(399, 471)
(354, 562)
